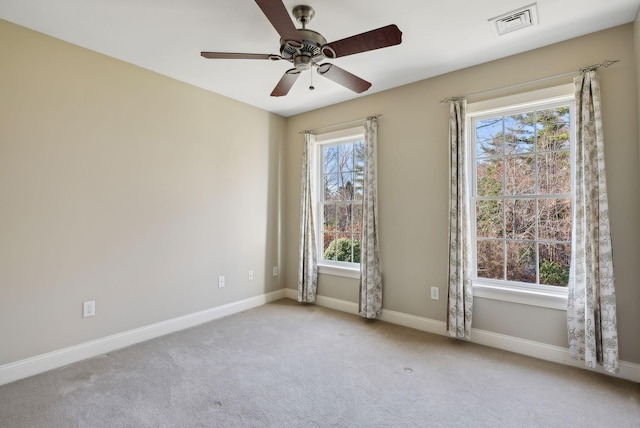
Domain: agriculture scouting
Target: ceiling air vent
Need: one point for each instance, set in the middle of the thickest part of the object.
(515, 20)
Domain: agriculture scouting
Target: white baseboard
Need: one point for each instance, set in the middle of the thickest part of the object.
(415, 322)
(327, 302)
(51, 360)
(629, 371)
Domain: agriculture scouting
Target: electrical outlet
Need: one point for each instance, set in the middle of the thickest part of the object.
(275, 271)
(220, 281)
(250, 275)
(89, 308)
(435, 293)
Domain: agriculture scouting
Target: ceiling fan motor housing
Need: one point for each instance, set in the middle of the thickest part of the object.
(310, 52)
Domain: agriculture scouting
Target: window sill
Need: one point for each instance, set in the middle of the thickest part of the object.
(347, 272)
(540, 298)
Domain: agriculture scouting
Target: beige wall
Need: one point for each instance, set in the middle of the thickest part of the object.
(413, 186)
(636, 45)
(125, 187)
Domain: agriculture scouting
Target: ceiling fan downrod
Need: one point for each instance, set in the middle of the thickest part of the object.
(303, 14)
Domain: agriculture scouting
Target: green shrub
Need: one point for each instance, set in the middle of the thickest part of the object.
(553, 273)
(342, 246)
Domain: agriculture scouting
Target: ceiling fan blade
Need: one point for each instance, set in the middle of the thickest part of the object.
(285, 83)
(375, 39)
(277, 14)
(231, 55)
(343, 77)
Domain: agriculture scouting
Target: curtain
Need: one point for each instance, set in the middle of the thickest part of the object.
(460, 293)
(591, 307)
(370, 272)
(308, 261)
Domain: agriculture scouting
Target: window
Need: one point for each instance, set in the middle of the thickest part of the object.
(341, 159)
(521, 195)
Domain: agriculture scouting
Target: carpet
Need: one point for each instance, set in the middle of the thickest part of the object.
(286, 364)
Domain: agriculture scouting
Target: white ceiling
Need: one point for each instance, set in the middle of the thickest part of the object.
(166, 36)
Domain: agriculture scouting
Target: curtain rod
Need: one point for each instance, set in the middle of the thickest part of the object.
(606, 63)
(339, 124)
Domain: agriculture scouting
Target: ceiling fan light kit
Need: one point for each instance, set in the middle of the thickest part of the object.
(306, 49)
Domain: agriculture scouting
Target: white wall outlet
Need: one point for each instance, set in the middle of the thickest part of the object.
(275, 271)
(250, 275)
(220, 281)
(89, 308)
(435, 293)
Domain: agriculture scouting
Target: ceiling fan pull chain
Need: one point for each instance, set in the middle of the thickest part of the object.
(311, 87)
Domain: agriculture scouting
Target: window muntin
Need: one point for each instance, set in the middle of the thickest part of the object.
(522, 195)
(340, 193)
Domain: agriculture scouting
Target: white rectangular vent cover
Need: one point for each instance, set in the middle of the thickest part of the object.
(515, 20)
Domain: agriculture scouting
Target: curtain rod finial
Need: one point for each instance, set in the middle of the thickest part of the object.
(606, 63)
(449, 99)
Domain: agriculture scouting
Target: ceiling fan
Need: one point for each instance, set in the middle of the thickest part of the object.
(306, 48)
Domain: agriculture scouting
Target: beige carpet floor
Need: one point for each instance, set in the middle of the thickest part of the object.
(291, 365)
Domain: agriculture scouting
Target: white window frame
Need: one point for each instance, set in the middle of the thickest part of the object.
(344, 269)
(528, 294)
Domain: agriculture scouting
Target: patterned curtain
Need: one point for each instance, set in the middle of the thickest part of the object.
(460, 300)
(370, 275)
(308, 267)
(591, 309)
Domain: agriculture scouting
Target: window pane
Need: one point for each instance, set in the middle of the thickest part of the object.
(330, 159)
(357, 220)
(358, 185)
(359, 156)
(330, 187)
(521, 218)
(356, 251)
(554, 264)
(553, 129)
(489, 219)
(346, 157)
(347, 255)
(520, 177)
(554, 219)
(490, 259)
(329, 215)
(350, 250)
(343, 214)
(342, 249)
(521, 262)
(489, 137)
(554, 173)
(346, 186)
(519, 133)
(328, 238)
(490, 177)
